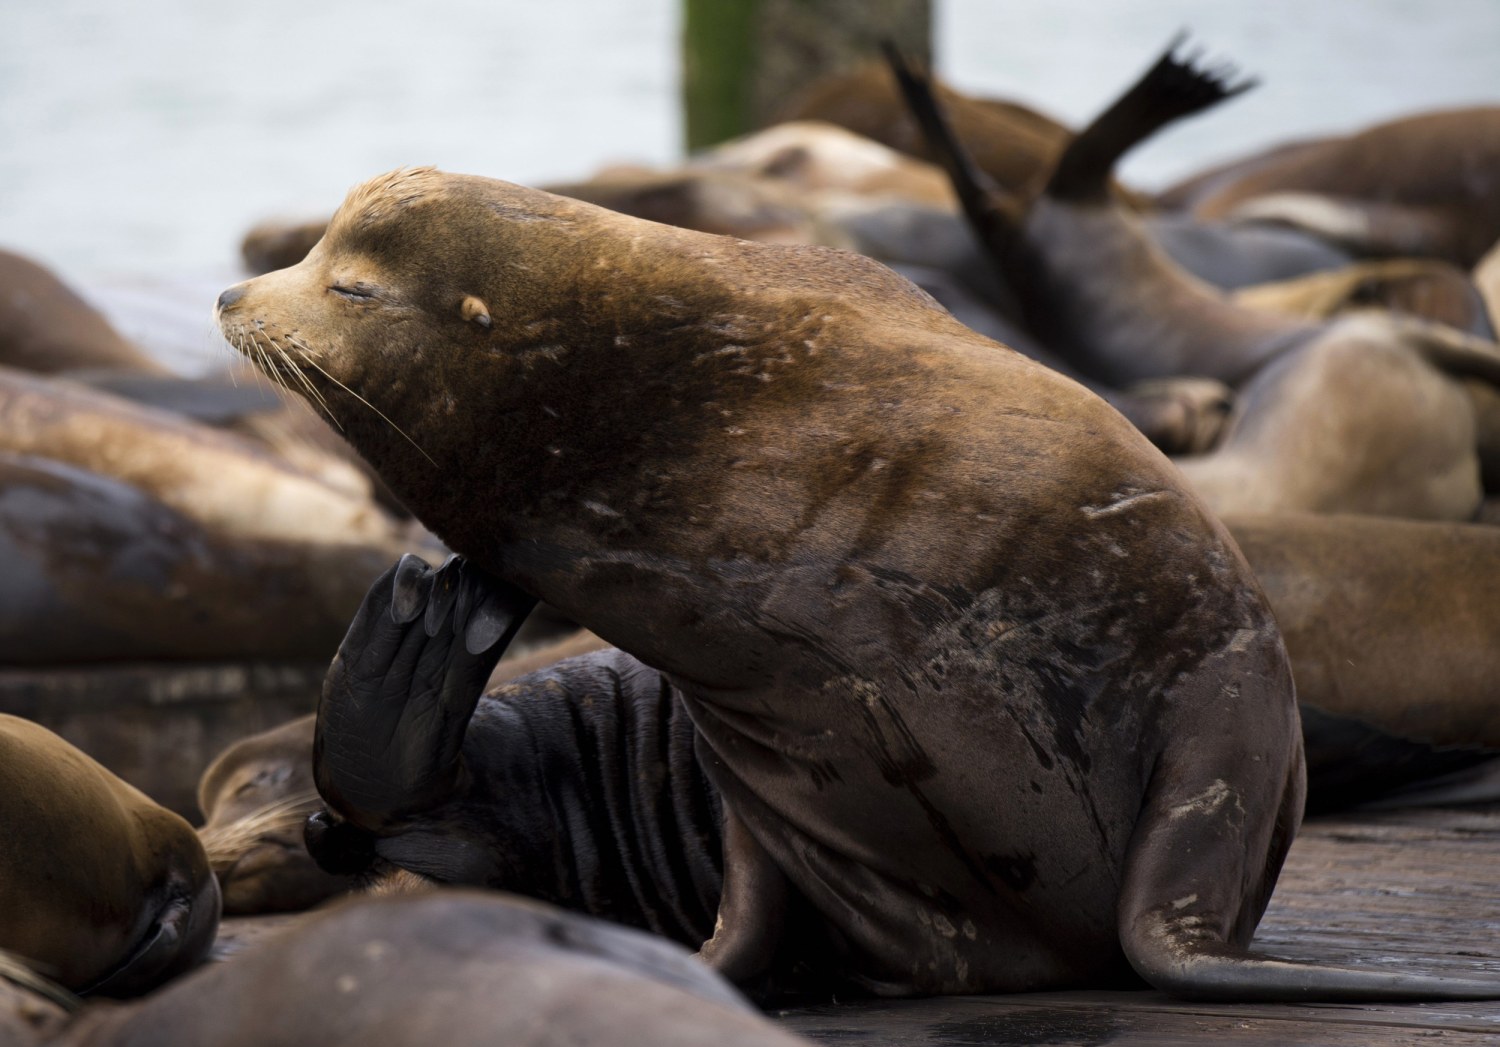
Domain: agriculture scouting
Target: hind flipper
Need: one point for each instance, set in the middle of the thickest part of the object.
(1170, 90)
(1208, 845)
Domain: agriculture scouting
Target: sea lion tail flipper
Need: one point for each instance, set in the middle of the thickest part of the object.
(1184, 923)
(982, 197)
(1170, 90)
(399, 694)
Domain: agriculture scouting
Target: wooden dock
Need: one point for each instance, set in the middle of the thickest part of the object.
(1416, 889)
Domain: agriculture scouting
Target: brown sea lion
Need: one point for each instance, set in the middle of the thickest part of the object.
(727, 202)
(1422, 287)
(212, 476)
(817, 156)
(254, 798)
(1098, 292)
(1014, 143)
(45, 327)
(1416, 186)
(1347, 424)
(275, 244)
(101, 890)
(97, 571)
(1391, 626)
(971, 756)
(257, 794)
(461, 968)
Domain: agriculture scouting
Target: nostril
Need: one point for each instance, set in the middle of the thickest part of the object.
(232, 295)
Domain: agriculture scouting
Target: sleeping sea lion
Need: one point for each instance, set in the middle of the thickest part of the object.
(1392, 629)
(1422, 287)
(970, 666)
(101, 890)
(45, 327)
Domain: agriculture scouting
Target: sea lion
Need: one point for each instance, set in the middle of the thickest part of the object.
(98, 571)
(1096, 291)
(461, 968)
(817, 156)
(212, 476)
(1423, 287)
(275, 244)
(101, 890)
(1347, 424)
(973, 753)
(45, 327)
(1391, 626)
(1415, 186)
(1013, 142)
(256, 795)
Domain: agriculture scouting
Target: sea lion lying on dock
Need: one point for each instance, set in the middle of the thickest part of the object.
(461, 968)
(101, 890)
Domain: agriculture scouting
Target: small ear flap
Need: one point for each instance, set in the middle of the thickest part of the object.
(475, 311)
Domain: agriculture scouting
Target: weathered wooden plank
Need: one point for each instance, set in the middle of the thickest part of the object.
(1414, 889)
(1124, 1019)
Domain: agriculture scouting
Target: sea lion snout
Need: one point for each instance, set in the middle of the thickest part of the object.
(229, 296)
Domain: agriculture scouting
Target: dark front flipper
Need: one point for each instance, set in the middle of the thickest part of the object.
(398, 698)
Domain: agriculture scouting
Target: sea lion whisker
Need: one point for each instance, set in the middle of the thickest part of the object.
(313, 391)
(372, 407)
(225, 842)
(302, 378)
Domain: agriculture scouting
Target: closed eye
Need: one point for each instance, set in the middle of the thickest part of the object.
(354, 292)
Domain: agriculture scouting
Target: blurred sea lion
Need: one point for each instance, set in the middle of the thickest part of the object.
(461, 968)
(1421, 185)
(99, 571)
(46, 328)
(1359, 415)
(101, 890)
(1392, 629)
(1423, 287)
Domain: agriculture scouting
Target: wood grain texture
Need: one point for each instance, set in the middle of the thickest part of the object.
(1415, 889)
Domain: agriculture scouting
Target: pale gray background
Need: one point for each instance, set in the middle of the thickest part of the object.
(139, 140)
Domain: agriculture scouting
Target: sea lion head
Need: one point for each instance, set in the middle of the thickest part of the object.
(457, 325)
(429, 288)
(254, 798)
(100, 888)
